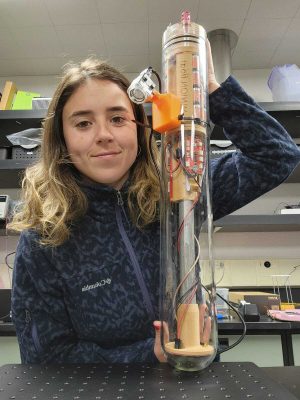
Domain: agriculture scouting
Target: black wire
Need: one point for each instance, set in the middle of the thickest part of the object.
(171, 309)
(4, 316)
(159, 80)
(6, 259)
(294, 269)
(185, 295)
(238, 314)
(242, 321)
(198, 121)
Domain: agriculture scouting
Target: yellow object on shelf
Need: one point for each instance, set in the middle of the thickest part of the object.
(8, 95)
(289, 306)
(23, 100)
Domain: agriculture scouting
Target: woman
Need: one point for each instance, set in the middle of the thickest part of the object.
(86, 282)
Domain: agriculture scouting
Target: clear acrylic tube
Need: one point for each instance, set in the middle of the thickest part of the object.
(187, 310)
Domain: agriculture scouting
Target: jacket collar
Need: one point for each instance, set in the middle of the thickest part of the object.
(102, 198)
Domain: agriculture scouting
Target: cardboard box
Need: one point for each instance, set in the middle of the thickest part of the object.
(264, 301)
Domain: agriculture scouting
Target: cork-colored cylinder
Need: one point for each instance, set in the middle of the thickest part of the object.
(188, 318)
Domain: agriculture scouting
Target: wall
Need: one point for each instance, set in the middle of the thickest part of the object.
(243, 253)
(45, 85)
(255, 83)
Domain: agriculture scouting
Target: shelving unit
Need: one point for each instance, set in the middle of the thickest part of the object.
(288, 114)
(258, 223)
(11, 122)
(11, 172)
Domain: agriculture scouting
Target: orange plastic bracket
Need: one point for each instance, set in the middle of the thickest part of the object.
(165, 111)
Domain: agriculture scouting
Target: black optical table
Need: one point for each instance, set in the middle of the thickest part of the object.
(234, 381)
(287, 376)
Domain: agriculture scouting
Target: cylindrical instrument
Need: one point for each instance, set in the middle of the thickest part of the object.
(187, 273)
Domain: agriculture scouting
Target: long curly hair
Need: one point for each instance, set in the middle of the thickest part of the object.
(51, 197)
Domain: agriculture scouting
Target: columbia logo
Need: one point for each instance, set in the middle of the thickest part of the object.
(103, 282)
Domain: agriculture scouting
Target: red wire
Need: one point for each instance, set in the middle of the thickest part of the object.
(176, 167)
(171, 179)
(184, 221)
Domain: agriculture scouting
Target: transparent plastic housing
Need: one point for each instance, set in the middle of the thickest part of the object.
(187, 309)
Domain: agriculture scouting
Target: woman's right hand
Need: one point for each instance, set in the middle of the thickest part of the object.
(213, 84)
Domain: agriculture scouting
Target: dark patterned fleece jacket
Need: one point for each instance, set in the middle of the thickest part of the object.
(93, 299)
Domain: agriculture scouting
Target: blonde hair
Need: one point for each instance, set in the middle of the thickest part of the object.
(51, 196)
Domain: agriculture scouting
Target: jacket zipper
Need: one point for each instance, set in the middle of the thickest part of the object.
(135, 263)
(34, 334)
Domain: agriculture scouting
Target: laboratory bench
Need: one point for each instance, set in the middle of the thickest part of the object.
(234, 381)
(266, 326)
(7, 329)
